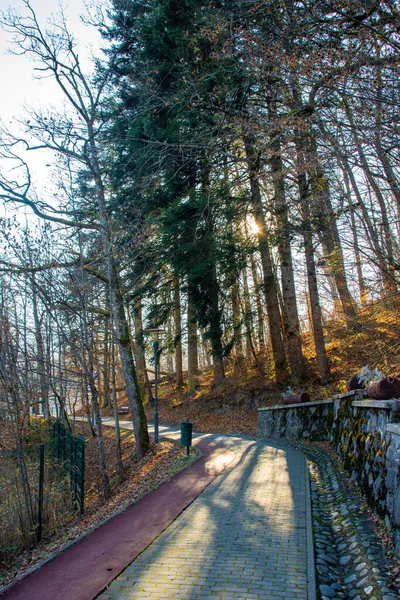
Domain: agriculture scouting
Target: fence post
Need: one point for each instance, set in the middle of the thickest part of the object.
(40, 499)
(64, 441)
(81, 455)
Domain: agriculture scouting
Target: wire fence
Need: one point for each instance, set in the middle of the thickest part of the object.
(70, 451)
(41, 486)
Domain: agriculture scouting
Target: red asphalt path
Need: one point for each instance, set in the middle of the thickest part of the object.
(84, 569)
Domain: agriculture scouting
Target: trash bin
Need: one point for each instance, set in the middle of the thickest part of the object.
(186, 434)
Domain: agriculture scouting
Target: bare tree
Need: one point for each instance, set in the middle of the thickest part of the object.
(75, 135)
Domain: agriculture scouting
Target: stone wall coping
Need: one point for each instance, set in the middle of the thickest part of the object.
(368, 403)
(393, 428)
(350, 393)
(296, 405)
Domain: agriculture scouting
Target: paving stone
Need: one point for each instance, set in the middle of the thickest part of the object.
(352, 539)
(337, 587)
(328, 559)
(249, 549)
(353, 545)
(346, 523)
(323, 569)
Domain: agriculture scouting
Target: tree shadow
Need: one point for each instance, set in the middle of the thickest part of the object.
(245, 535)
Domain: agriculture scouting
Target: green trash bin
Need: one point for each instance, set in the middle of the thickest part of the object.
(186, 434)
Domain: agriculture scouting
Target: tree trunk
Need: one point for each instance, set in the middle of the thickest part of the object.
(389, 280)
(389, 172)
(120, 462)
(14, 403)
(140, 353)
(214, 332)
(178, 335)
(314, 303)
(269, 282)
(100, 441)
(260, 315)
(393, 181)
(379, 135)
(283, 231)
(371, 233)
(44, 387)
(248, 319)
(168, 354)
(204, 345)
(236, 324)
(325, 218)
(138, 414)
(193, 364)
(106, 365)
(361, 282)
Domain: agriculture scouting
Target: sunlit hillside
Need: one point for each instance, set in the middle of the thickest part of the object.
(232, 406)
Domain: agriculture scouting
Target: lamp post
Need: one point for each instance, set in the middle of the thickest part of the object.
(157, 353)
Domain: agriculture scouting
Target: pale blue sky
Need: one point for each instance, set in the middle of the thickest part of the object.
(18, 84)
(16, 76)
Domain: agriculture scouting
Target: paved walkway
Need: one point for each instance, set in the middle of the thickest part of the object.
(248, 535)
(235, 524)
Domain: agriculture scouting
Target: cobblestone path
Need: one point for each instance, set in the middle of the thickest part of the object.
(246, 536)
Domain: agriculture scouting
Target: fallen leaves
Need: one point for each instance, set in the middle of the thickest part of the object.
(161, 462)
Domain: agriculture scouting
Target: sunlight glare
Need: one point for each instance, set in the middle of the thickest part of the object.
(254, 228)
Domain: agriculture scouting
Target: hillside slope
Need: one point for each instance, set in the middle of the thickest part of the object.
(232, 406)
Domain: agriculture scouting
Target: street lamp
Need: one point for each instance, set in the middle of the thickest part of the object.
(157, 352)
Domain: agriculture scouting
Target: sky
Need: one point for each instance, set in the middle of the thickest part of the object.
(18, 83)
(21, 88)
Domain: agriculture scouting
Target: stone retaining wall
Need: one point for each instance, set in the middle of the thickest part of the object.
(308, 420)
(365, 434)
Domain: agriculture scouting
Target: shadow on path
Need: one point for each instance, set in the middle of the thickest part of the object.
(87, 567)
(245, 536)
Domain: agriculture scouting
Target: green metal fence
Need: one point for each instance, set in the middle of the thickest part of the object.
(71, 451)
(40, 487)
